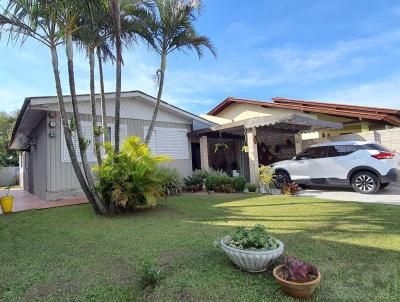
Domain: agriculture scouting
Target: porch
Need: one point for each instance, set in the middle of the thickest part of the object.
(24, 200)
(240, 147)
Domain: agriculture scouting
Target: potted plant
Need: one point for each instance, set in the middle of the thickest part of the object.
(297, 278)
(220, 146)
(252, 188)
(253, 250)
(7, 201)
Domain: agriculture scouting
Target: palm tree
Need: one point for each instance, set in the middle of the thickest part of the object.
(171, 28)
(39, 20)
(71, 10)
(92, 36)
(116, 15)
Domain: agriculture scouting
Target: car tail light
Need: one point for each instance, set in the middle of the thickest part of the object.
(384, 155)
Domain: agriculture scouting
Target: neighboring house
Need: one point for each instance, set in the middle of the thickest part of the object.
(354, 118)
(46, 170)
(274, 131)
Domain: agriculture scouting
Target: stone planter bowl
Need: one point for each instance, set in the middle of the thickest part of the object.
(296, 289)
(251, 261)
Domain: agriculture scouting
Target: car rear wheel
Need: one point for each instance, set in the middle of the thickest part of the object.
(365, 182)
(280, 179)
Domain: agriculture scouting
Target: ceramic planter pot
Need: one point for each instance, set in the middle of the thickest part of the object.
(251, 261)
(296, 289)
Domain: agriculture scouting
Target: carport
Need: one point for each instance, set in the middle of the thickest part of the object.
(252, 142)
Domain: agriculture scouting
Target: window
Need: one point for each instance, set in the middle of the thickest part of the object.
(376, 147)
(343, 150)
(313, 153)
(88, 134)
(169, 141)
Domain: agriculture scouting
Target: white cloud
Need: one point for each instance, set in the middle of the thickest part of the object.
(385, 93)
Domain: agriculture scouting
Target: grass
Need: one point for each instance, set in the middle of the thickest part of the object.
(70, 254)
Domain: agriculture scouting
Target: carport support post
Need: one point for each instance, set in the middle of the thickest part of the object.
(253, 155)
(204, 152)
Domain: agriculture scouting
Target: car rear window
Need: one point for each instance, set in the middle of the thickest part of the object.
(376, 147)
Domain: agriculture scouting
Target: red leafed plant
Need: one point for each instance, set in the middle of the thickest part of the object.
(296, 270)
(290, 189)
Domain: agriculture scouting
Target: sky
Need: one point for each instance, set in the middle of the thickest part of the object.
(334, 51)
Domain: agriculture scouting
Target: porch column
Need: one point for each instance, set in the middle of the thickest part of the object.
(298, 143)
(253, 155)
(204, 152)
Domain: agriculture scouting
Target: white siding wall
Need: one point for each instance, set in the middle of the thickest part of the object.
(62, 182)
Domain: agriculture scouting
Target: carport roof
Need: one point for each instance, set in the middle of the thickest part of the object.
(293, 122)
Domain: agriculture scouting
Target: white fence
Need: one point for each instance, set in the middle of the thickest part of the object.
(9, 176)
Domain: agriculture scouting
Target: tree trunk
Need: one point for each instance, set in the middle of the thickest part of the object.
(67, 132)
(159, 94)
(118, 47)
(81, 140)
(95, 129)
(103, 97)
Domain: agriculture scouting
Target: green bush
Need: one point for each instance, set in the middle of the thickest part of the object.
(194, 183)
(256, 238)
(130, 180)
(204, 173)
(171, 181)
(219, 183)
(252, 187)
(239, 183)
(266, 175)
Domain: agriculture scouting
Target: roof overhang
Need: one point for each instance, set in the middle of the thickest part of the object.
(34, 108)
(292, 122)
(383, 115)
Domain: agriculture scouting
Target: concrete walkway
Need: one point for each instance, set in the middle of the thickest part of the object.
(26, 201)
(390, 195)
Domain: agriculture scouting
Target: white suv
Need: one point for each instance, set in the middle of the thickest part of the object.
(366, 166)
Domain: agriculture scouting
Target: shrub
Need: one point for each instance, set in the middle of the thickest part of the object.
(296, 270)
(239, 183)
(252, 187)
(290, 189)
(204, 173)
(266, 175)
(171, 181)
(219, 183)
(256, 238)
(194, 183)
(129, 180)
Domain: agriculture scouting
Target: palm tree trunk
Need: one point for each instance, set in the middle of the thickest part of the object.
(67, 132)
(81, 139)
(95, 129)
(103, 97)
(159, 94)
(118, 47)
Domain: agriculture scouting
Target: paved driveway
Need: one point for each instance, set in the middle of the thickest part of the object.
(390, 195)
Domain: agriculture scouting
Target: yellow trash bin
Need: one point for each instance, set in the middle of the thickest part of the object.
(6, 203)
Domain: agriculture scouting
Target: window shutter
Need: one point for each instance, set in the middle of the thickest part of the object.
(88, 135)
(169, 141)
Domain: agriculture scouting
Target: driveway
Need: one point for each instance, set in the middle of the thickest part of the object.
(390, 195)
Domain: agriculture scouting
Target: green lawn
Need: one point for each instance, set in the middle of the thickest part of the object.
(70, 254)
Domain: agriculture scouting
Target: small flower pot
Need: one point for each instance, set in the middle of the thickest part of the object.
(296, 289)
(251, 261)
(6, 203)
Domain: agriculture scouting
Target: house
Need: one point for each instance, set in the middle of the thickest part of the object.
(256, 132)
(354, 118)
(46, 169)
